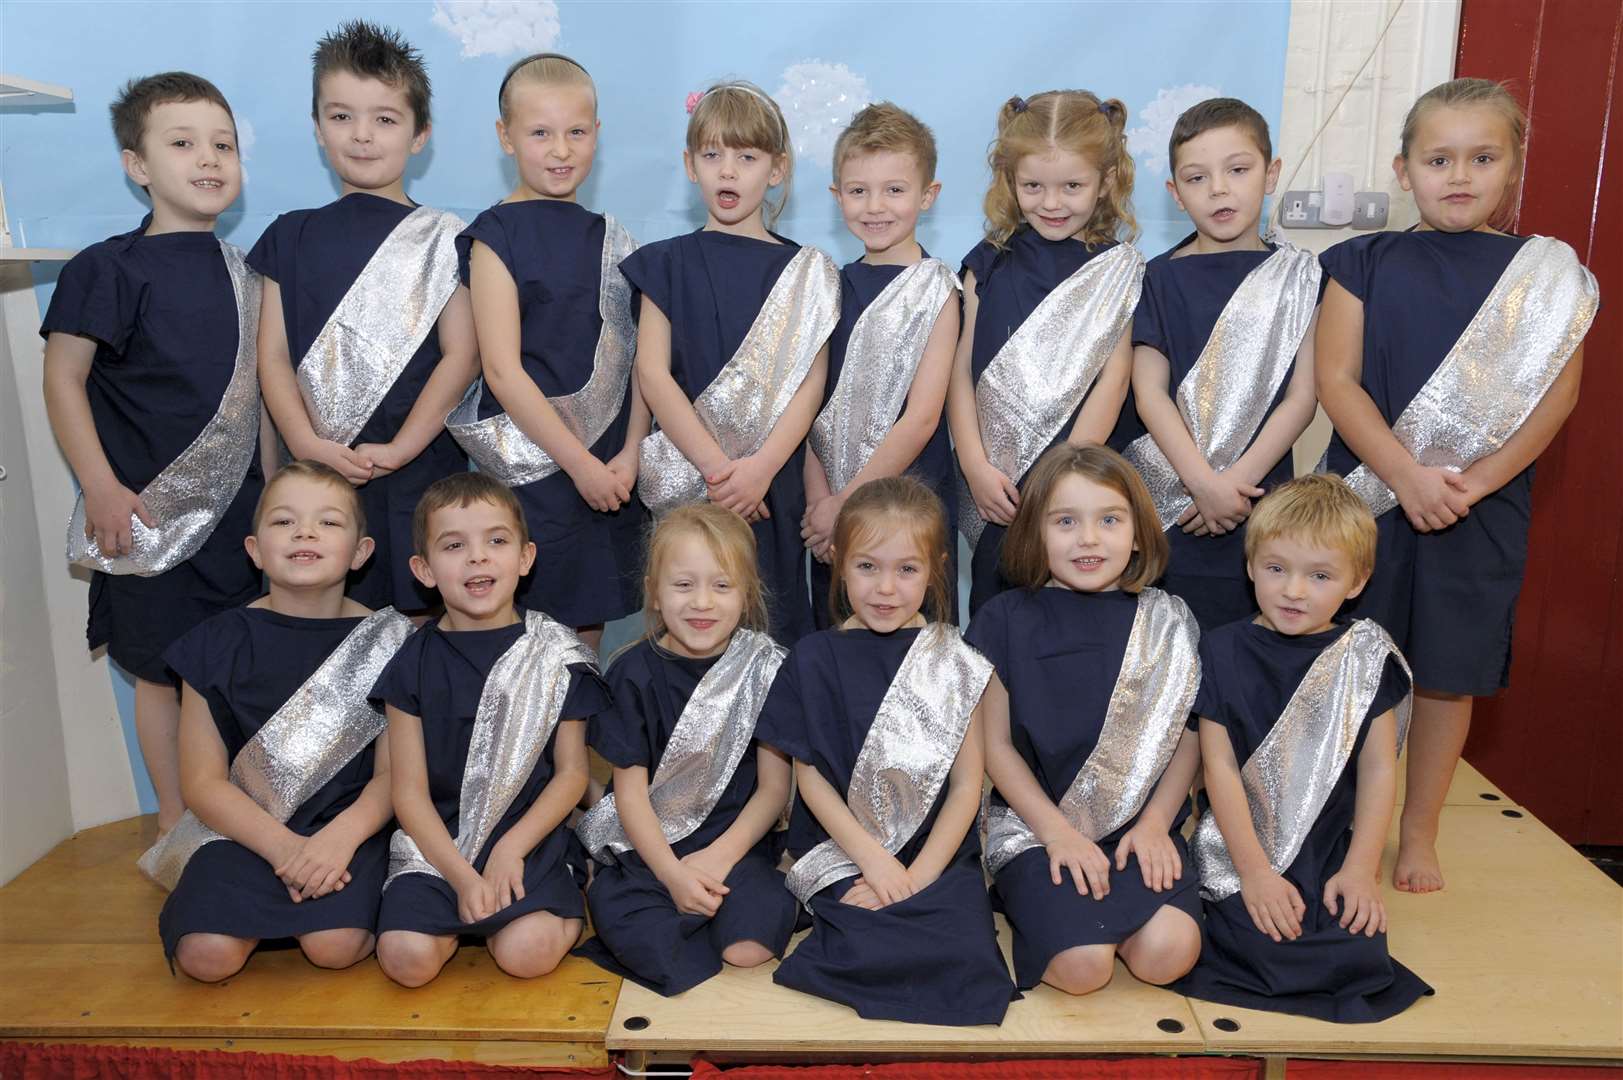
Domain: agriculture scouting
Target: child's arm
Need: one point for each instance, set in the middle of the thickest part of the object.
(414, 809)
(1273, 903)
(1489, 474)
(666, 401)
(693, 891)
(741, 485)
(1102, 408)
(270, 454)
(280, 388)
(638, 423)
(1150, 837)
(504, 870)
(882, 872)
(957, 815)
(817, 490)
(996, 496)
(1355, 892)
(753, 822)
(321, 864)
(1286, 424)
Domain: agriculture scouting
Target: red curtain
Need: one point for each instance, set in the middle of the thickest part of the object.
(1419, 1070)
(35, 1061)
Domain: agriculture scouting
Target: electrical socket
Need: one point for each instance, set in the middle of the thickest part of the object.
(1300, 210)
(1369, 209)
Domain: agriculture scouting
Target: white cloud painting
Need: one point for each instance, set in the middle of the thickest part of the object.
(818, 100)
(499, 27)
(1148, 142)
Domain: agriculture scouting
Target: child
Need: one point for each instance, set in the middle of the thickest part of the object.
(1294, 918)
(151, 392)
(1044, 355)
(366, 340)
(1483, 331)
(1088, 736)
(690, 876)
(1223, 357)
(285, 833)
(731, 340)
(882, 717)
(487, 709)
(891, 352)
(556, 340)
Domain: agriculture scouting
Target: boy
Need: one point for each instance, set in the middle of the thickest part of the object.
(151, 391)
(366, 339)
(1221, 318)
(891, 353)
(1301, 721)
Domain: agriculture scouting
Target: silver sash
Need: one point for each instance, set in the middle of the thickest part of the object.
(298, 751)
(390, 309)
(750, 393)
(1290, 775)
(523, 696)
(1148, 714)
(1226, 395)
(886, 344)
(704, 750)
(496, 444)
(1498, 371)
(1046, 367)
(908, 754)
(192, 493)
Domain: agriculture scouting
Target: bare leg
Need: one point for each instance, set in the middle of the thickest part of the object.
(212, 958)
(1436, 737)
(1163, 949)
(157, 729)
(1081, 969)
(534, 944)
(746, 954)
(412, 959)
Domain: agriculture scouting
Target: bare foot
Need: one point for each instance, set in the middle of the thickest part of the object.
(1417, 869)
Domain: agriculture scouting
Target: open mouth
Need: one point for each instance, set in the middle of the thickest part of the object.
(701, 625)
(561, 172)
(1088, 564)
(1054, 222)
(877, 227)
(207, 184)
(304, 557)
(1225, 215)
(479, 586)
(727, 199)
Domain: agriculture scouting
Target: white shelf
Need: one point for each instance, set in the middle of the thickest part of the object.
(36, 254)
(17, 91)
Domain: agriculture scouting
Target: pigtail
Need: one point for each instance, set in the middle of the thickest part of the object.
(1113, 218)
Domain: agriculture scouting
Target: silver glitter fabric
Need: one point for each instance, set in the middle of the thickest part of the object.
(704, 750)
(1225, 397)
(1147, 715)
(496, 444)
(908, 754)
(518, 710)
(881, 356)
(1045, 368)
(375, 330)
(304, 744)
(1500, 368)
(1290, 775)
(744, 401)
(192, 493)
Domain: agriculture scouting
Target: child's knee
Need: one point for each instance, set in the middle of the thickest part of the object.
(411, 959)
(535, 945)
(212, 957)
(1164, 949)
(336, 948)
(1081, 970)
(746, 954)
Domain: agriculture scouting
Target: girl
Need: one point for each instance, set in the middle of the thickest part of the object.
(1045, 353)
(690, 877)
(1453, 319)
(1088, 739)
(730, 343)
(556, 343)
(882, 717)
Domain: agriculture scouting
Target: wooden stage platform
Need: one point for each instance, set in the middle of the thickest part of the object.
(1525, 950)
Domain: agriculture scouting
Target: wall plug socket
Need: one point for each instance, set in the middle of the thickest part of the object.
(1369, 209)
(1301, 210)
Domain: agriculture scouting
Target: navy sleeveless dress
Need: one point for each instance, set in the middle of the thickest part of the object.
(164, 318)
(314, 256)
(930, 959)
(1058, 653)
(640, 933)
(588, 566)
(1248, 674)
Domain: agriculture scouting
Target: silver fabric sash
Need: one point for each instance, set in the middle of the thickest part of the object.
(496, 444)
(390, 309)
(518, 710)
(881, 356)
(908, 754)
(1290, 775)
(1148, 714)
(192, 493)
(1226, 395)
(704, 750)
(1498, 371)
(1046, 367)
(298, 751)
(750, 393)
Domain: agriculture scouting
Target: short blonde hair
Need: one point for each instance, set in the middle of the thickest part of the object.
(322, 473)
(729, 539)
(741, 116)
(1320, 511)
(884, 128)
(884, 506)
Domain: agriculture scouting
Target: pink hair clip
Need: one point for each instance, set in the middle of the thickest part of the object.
(693, 100)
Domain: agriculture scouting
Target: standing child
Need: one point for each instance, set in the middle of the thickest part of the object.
(1290, 855)
(152, 393)
(1449, 356)
(731, 352)
(366, 340)
(690, 877)
(882, 717)
(487, 709)
(891, 352)
(285, 836)
(1223, 357)
(1044, 355)
(1088, 736)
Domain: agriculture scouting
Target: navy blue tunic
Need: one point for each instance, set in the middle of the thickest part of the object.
(439, 677)
(640, 933)
(711, 286)
(164, 318)
(1248, 674)
(1447, 598)
(246, 663)
(588, 566)
(314, 256)
(932, 958)
(1058, 653)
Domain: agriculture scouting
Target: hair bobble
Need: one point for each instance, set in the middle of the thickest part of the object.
(1018, 104)
(693, 100)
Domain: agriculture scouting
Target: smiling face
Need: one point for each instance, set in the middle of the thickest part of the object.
(886, 575)
(698, 601)
(881, 195)
(1057, 192)
(307, 537)
(188, 163)
(365, 126)
(550, 131)
(1220, 180)
(1460, 165)
(734, 183)
(1300, 586)
(475, 559)
(1088, 534)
